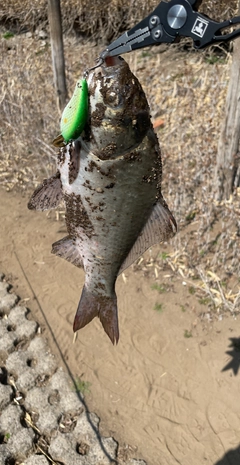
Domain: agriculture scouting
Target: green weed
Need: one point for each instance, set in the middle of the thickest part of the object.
(204, 301)
(212, 59)
(190, 217)
(82, 386)
(187, 333)
(158, 308)
(164, 256)
(158, 287)
(191, 290)
(8, 35)
(6, 438)
(146, 54)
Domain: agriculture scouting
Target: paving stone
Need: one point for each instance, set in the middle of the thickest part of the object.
(21, 443)
(15, 328)
(18, 323)
(61, 448)
(7, 301)
(36, 460)
(20, 439)
(5, 395)
(4, 454)
(69, 398)
(52, 400)
(33, 365)
(101, 450)
(6, 338)
(10, 421)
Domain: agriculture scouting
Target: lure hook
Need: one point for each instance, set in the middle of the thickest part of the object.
(100, 61)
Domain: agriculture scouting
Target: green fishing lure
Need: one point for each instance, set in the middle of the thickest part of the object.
(74, 115)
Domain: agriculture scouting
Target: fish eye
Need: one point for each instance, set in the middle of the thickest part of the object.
(113, 98)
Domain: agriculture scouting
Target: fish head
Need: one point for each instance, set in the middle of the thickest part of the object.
(119, 115)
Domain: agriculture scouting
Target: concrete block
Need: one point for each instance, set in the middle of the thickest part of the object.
(20, 439)
(101, 450)
(33, 366)
(36, 460)
(5, 395)
(20, 324)
(7, 301)
(61, 449)
(7, 338)
(55, 401)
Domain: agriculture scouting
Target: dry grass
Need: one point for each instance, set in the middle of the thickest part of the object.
(187, 90)
(102, 18)
(189, 96)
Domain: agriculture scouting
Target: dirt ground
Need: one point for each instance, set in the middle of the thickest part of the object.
(169, 390)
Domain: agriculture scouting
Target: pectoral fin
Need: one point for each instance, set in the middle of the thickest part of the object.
(48, 195)
(59, 141)
(161, 226)
(67, 249)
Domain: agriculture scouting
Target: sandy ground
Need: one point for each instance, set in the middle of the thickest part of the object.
(169, 390)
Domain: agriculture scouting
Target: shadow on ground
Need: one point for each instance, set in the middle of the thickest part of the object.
(232, 457)
(234, 363)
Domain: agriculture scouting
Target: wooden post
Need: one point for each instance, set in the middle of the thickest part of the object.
(55, 24)
(228, 158)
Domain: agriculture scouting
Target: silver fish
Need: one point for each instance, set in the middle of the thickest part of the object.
(110, 179)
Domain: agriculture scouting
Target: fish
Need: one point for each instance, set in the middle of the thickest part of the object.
(110, 179)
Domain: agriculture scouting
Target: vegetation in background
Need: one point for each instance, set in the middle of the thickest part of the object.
(103, 19)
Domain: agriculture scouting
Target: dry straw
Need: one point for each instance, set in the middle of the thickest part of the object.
(101, 18)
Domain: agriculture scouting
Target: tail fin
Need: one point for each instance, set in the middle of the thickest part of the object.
(104, 307)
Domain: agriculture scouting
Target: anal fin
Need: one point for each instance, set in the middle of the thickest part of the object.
(48, 195)
(160, 226)
(67, 249)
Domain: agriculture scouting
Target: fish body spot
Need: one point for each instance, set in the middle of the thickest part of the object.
(110, 186)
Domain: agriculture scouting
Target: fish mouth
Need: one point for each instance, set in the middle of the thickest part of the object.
(112, 61)
(112, 66)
